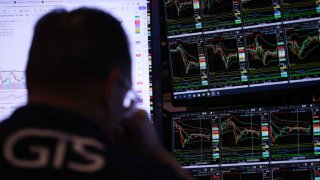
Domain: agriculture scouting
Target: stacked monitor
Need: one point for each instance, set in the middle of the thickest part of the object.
(244, 59)
(249, 143)
(18, 18)
(224, 48)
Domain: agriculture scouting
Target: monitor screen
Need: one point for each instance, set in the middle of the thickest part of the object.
(276, 142)
(225, 48)
(18, 18)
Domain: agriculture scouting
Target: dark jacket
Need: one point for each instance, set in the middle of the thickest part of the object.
(44, 142)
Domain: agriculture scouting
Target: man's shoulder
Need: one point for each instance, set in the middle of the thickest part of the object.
(55, 143)
(51, 142)
(51, 154)
(50, 117)
(43, 138)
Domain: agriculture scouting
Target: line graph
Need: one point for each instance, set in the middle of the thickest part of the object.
(266, 55)
(287, 173)
(240, 129)
(12, 97)
(303, 47)
(299, 49)
(295, 9)
(180, 7)
(287, 131)
(224, 65)
(183, 16)
(191, 135)
(262, 50)
(220, 14)
(228, 58)
(240, 133)
(187, 63)
(241, 137)
(186, 83)
(12, 80)
(192, 140)
(291, 134)
(10, 100)
(260, 11)
(185, 60)
(227, 79)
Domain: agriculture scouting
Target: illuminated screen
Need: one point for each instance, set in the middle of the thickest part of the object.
(18, 18)
(230, 47)
(281, 142)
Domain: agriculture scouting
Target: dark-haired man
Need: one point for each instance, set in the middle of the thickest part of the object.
(78, 73)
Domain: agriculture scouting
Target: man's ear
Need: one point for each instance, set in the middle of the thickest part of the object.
(112, 91)
(108, 86)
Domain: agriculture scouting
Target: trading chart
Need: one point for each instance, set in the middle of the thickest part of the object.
(246, 46)
(292, 134)
(297, 9)
(303, 47)
(194, 137)
(241, 136)
(188, 61)
(183, 16)
(266, 56)
(225, 66)
(260, 11)
(221, 14)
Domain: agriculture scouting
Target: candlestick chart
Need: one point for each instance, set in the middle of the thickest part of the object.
(303, 47)
(192, 141)
(224, 65)
(180, 8)
(240, 138)
(260, 11)
(221, 14)
(186, 63)
(182, 16)
(184, 56)
(291, 135)
(264, 48)
(222, 59)
(296, 9)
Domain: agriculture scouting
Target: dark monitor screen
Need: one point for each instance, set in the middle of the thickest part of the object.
(219, 50)
(250, 143)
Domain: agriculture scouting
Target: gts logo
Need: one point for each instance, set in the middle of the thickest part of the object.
(41, 154)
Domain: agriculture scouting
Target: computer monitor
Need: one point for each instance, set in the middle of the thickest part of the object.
(276, 142)
(228, 51)
(18, 18)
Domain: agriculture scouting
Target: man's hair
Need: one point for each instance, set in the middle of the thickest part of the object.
(74, 49)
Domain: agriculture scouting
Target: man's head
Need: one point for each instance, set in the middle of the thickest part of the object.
(72, 48)
(80, 56)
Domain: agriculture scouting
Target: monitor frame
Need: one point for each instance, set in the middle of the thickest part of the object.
(276, 94)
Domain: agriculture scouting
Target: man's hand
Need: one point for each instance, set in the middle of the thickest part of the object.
(140, 136)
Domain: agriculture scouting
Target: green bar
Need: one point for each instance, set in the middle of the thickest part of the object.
(238, 21)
